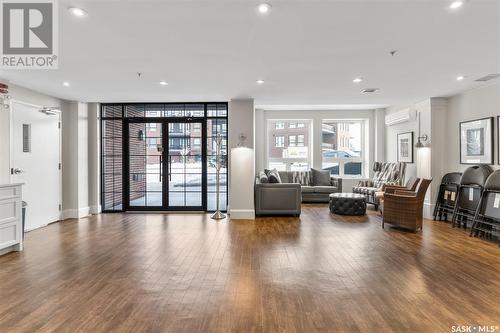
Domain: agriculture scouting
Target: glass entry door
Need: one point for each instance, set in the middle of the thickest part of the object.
(165, 165)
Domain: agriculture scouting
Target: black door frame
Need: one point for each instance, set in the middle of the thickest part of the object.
(165, 121)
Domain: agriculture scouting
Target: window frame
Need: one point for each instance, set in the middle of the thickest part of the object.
(344, 160)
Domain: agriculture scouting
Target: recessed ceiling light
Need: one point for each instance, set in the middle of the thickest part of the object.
(456, 4)
(357, 80)
(460, 78)
(260, 81)
(164, 83)
(264, 8)
(78, 12)
(66, 84)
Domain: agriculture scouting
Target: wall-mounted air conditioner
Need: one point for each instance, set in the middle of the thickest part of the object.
(400, 117)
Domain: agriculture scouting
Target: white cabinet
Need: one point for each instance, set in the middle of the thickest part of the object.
(11, 233)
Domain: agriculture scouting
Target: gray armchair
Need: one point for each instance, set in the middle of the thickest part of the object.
(385, 174)
(277, 199)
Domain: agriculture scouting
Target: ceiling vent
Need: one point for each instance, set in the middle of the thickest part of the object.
(488, 77)
(400, 117)
(369, 90)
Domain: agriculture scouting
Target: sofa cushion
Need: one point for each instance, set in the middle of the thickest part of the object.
(320, 177)
(301, 177)
(365, 190)
(274, 176)
(307, 189)
(325, 189)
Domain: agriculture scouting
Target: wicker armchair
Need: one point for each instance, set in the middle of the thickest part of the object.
(405, 208)
(411, 185)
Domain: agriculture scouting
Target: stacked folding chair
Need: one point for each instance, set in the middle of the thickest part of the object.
(487, 218)
(447, 195)
(469, 194)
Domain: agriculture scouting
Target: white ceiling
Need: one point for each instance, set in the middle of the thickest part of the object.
(307, 51)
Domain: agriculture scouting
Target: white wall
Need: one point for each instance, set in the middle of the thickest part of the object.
(316, 118)
(75, 160)
(473, 104)
(427, 161)
(391, 132)
(242, 160)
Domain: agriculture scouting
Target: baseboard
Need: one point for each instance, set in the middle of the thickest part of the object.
(75, 213)
(12, 248)
(429, 210)
(37, 227)
(95, 209)
(242, 214)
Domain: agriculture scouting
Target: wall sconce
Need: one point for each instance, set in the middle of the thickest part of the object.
(241, 140)
(420, 138)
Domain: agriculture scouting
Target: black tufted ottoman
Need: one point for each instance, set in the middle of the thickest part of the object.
(347, 204)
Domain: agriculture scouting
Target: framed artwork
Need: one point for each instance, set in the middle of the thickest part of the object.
(476, 141)
(405, 147)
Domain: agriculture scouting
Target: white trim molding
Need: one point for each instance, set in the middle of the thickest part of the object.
(75, 213)
(242, 214)
(97, 209)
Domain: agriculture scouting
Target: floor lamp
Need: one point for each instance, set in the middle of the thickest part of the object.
(218, 215)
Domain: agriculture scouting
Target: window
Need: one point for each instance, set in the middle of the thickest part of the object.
(151, 127)
(300, 140)
(292, 154)
(342, 147)
(152, 143)
(196, 142)
(300, 125)
(279, 141)
(279, 125)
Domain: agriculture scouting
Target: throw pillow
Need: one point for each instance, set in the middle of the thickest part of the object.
(263, 177)
(301, 177)
(320, 177)
(274, 176)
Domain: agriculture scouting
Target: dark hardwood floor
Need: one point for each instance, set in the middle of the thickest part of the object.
(187, 273)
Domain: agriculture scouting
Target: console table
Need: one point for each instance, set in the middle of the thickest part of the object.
(11, 229)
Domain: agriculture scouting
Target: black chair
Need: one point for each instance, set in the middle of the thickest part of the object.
(447, 195)
(487, 219)
(469, 194)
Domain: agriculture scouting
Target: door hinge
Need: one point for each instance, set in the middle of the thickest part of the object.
(59, 166)
(60, 207)
(59, 125)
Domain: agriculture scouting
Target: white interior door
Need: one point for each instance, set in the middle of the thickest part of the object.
(35, 158)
